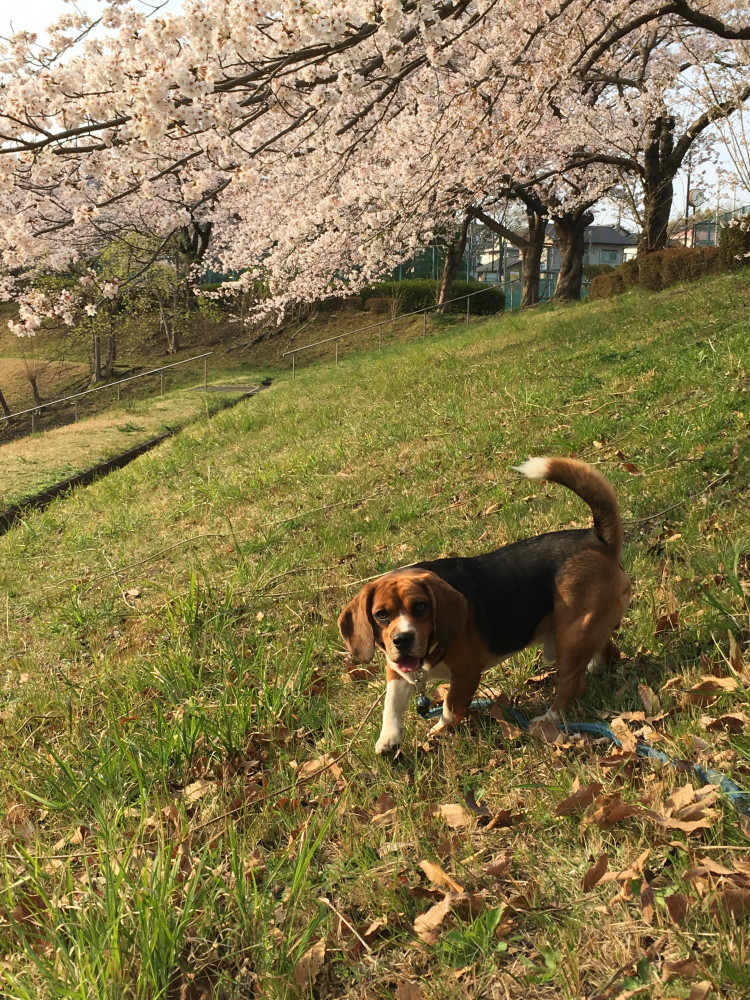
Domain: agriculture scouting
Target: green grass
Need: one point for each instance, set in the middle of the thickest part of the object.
(171, 670)
(32, 464)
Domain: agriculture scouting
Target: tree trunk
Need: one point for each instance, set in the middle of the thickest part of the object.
(531, 256)
(35, 394)
(96, 361)
(172, 341)
(658, 176)
(111, 355)
(194, 242)
(453, 257)
(570, 228)
(164, 326)
(5, 409)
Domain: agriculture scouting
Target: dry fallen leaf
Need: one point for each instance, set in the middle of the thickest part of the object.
(686, 968)
(325, 763)
(579, 800)
(649, 700)
(627, 740)
(667, 622)
(545, 730)
(610, 809)
(736, 662)
(595, 873)
(498, 867)
(733, 901)
(648, 903)
(732, 722)
(635, 870)
(465, 904)
(307, 968)
(409, 991)
(479, 809)
(198, 789)
(700, 990)
(509, 731)
(706, 691)
(677, 906)
(455, 815)
(438, 877)
(385, 810)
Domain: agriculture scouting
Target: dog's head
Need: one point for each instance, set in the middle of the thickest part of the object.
(405, 613)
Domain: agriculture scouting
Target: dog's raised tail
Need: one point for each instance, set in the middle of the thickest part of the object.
(590, 485)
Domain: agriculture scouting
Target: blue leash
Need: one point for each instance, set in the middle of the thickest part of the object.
(736, 795)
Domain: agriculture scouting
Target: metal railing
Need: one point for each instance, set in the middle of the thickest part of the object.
(381, 323)
(75, 396)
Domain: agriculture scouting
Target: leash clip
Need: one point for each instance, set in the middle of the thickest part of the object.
(423, 702)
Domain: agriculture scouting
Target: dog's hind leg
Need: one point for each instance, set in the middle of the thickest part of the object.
(589, 605)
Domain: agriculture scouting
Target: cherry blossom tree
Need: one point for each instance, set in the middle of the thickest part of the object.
(314, 144)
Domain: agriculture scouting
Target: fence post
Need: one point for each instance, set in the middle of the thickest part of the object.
(336, 342)
(161, 376)
(75, 408)
(33, 421)
(205, 373)
(118, 392)
(380, 337)
(424, 324)
(468, 303)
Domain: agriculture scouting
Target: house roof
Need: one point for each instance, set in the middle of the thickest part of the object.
(612, 235)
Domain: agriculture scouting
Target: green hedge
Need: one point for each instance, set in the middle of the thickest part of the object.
(658, 270)
(260, 288)
(420, 293)
(734, 244)
(591, 271)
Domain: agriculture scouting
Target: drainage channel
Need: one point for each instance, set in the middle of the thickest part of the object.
(39, 501)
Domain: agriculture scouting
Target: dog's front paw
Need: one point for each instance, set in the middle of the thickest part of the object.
(388, 741)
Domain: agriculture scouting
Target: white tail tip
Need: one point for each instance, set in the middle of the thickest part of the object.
(535, 468)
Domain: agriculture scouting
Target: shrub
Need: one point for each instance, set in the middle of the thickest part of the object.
(592, 271)
(649, 271)
(658, 270)
(421, 293)
(489, 300)
(734, 244)
(380, 305)
(630, 273)
(409, 295)
(604, 286)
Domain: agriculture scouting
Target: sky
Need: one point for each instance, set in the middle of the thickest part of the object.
(37, 14)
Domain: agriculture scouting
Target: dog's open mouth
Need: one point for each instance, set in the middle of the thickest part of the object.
(408, 664)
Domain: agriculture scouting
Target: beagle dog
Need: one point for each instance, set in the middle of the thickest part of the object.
(452, 619)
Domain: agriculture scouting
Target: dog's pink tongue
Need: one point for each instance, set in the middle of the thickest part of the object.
(409, 663)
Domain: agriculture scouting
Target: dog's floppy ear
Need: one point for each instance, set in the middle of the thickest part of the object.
(356, 627)
(450, 610)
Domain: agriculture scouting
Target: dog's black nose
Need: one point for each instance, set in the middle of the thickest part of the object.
(403, 639)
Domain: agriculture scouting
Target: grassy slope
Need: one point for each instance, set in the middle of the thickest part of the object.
(213, 656)
(32, 464)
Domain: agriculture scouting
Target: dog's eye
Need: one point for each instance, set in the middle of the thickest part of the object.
(419, 608)
(382, 615)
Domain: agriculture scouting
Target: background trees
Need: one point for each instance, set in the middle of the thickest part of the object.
(313, 148)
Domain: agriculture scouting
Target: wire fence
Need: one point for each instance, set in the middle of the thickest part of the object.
(385, 322)
(35, 410)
